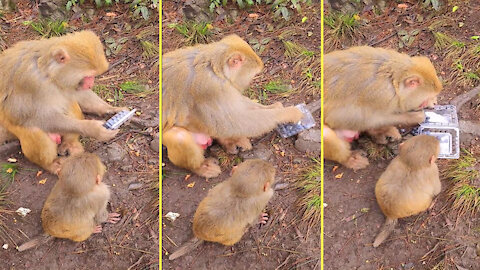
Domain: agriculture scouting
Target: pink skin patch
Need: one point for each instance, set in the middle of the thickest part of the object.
(57, 138)
(203, 140)
(87, 83)
(424, 104)
(347, 135)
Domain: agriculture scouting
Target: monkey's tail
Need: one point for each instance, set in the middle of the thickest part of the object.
(35, 241)
(385, 231)
(186, 248)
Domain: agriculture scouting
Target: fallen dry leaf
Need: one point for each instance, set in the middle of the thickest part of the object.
(9, 170)
(253, 15)
(334, 168)
(404, 6)
(43, 181)
(191, 185)
(111, 14)
(338, 176)
(39, 173)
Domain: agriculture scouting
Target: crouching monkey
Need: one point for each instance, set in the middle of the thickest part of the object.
(232, 206)
(409, 183)
(77, 204)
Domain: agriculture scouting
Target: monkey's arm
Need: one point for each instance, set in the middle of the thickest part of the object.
(55, 122)
(91, 103)
(355, 118)
(241, 118)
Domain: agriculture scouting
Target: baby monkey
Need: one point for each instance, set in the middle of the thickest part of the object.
(232, 206)
(409, 183)
(77, 204)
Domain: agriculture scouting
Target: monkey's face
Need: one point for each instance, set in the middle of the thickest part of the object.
(76, 60)
(422, 86)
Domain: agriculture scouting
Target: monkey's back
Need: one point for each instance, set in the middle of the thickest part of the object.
(222, 218)
(401, 193)
(61, 221)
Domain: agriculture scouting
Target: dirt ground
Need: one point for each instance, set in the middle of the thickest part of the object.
(284, 242)
(133, 242)
(437, 239)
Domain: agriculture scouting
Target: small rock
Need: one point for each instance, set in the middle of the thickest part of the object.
(126, 168)
(408, 266)
(23, 211)
(135, 186)
(309, 141)
(467, 139)
(260, 151)
(115, 152)
(172, 216)
(5, 246)
(280, 186)
(155, 143)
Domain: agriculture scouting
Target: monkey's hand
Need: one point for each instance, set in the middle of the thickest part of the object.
(357, 161)
(113, 218)
(263, 218)
(415, 117)
(97, 229)
(117, 109)
(276, 105)
(98, 131)
(294, 114)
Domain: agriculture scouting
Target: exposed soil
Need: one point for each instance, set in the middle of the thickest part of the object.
(284, 242)
(133, 242)
(436, 239)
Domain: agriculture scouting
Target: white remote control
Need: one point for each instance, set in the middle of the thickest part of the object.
(118, 119)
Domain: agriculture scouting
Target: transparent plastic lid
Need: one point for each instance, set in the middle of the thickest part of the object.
(288, 130)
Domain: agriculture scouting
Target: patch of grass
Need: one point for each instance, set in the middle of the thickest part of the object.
(465, 191)
(149, 49)
(7, 172)
(278, 88)
(342, 25)
(193, 32)
(48, 28)
(293, 50)
(376, 151)
(310, 189)
(136, 88)
(110, 94)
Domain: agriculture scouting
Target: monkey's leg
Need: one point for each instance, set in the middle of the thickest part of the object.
(71, 144)
(338, 150)
(38, 147)
(91, 103)
(384, 135)
(183, 151)
(231, 144)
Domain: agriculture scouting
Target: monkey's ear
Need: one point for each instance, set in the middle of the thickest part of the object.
(60, 55)
(412, 82)
(266, 186)
(433, 159)
(235, 61)
(98, 179)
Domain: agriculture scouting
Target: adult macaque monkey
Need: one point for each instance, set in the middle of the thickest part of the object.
(373, 89)
(202, 99)
(77, 204)
(409, 183)
(232, 206)
(43, 86)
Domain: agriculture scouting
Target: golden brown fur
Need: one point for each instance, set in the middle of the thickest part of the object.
(77, 204)
(232, 206)
(373, 89)
(43, 84)
(235, 204)
(202, 96)
(78, 201)
(409, 183)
